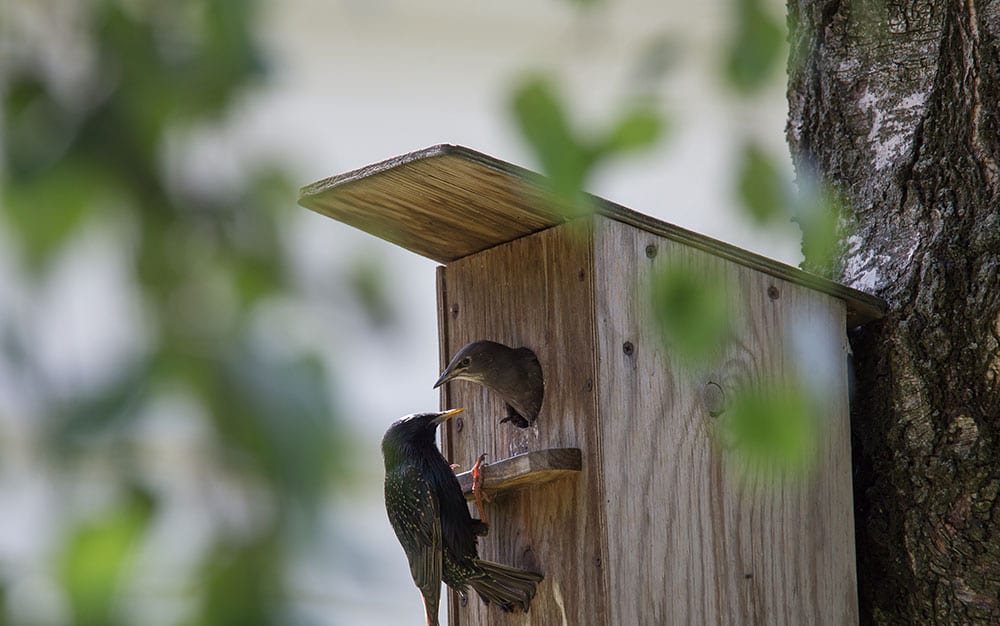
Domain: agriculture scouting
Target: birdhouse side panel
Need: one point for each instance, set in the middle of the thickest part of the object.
(536, 292)
(700, 536)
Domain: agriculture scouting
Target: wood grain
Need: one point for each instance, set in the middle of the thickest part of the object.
(528, 469)
(538, 292)
(699, 542)
(447, 202)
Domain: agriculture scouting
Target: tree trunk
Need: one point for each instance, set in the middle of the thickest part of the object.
(895, 105)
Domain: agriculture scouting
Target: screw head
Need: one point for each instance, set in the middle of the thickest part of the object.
(628, 348)
(454, 311)
(773, 293)
(651, 250)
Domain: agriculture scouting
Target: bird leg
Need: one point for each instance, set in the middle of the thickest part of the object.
(477, 488)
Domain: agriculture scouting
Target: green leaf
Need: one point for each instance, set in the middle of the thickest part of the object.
(755, 48)
(637, 129)
(774, 429)
(46, 210)
(96, 558)
(543, 121)
(823, 216)
(36, 129)
(692, 313)
(759, 184)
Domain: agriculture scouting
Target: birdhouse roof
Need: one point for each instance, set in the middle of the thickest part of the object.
(446, 202)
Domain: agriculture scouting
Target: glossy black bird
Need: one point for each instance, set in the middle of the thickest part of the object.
(432, 522)
(514, 373)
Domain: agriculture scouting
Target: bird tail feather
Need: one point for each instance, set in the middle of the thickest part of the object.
(509, 588)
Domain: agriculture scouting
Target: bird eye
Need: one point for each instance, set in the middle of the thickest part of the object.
(465, 362)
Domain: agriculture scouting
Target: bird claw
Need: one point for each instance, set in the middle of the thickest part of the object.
(477, 488)
(455, 466)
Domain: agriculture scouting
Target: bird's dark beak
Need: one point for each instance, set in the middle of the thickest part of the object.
(445, 377)
(447, 415)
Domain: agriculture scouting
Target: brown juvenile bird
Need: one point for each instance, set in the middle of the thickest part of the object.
(426, 508)
(514, 373)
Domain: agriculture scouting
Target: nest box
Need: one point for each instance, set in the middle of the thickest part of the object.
(621, 493)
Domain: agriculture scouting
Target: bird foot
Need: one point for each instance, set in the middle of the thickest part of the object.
(455, 466)
(477, 488)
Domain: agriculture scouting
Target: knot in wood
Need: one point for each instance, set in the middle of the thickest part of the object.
(714, 398)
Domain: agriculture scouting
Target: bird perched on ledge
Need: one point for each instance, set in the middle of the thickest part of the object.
(427, 510)
(514, 373)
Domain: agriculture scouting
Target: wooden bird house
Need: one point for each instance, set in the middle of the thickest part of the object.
(622, 492)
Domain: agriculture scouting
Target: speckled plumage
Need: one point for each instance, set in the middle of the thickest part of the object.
(514, 373)
(428, 512)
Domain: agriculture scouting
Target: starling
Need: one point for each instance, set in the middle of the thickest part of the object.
(514, 373)
(432, 522)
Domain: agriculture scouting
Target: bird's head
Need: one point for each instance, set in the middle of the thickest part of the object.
(415, 430)
(474, 362)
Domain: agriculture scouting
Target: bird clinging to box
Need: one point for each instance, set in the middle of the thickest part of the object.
(514, 373)
(427, 510)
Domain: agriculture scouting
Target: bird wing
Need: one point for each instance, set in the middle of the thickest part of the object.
(413, 509)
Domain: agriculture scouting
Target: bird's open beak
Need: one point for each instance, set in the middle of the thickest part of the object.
(445, 377)
(447, 415)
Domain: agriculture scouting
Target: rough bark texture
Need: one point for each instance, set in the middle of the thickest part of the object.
(895, 103)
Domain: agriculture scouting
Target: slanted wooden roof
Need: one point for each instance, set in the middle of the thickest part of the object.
(446, 202)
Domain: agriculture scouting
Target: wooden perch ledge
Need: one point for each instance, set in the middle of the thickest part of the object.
(523, 470)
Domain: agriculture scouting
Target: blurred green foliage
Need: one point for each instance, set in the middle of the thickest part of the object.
(567, 156)
(692, 311)
(755, 48)
(201, 260)
(760, 185)
(245, 583)
(826, 221)
(769, 198)
(96, 558)
(774, 430)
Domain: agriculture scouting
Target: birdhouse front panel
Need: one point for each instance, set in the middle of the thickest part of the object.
(537, 292)
(703, 532)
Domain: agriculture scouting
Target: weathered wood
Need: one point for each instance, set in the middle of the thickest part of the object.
(698, 544)
(448, 202)
(437, 202)
(529, 469)
(537, 291)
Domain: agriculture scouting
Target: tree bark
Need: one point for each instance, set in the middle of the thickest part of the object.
(897, 106)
